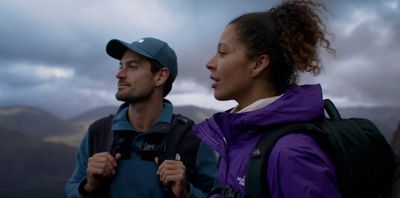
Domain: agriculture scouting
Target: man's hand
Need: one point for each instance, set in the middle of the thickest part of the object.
(101, 166)
(173, 172)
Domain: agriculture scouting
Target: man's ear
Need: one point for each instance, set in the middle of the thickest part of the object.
(161, 76)
(261, 64)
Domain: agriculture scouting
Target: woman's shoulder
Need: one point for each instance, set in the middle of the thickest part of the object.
(298, 147)
(297, 161)
(296, 140)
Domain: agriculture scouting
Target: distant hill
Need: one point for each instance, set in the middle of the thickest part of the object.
(80, 123)
(385, 118)
(396, 148)
(395, 141)
(197, 114)
(31, 121)
(32, 168)
(77, 126)
(38, 123)
(94, 114)
(35, 160)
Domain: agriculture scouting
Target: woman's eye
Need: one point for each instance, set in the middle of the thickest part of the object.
(221, 54)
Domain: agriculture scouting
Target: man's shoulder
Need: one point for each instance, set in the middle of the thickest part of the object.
(182, 119)
(101, 121)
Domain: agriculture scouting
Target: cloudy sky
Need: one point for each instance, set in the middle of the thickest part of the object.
(52, 53)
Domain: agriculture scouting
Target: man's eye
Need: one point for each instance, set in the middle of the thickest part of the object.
(132, 66)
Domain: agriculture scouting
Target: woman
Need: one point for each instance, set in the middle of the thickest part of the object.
(257, 64)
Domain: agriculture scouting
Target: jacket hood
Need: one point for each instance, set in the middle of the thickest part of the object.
(297, 104)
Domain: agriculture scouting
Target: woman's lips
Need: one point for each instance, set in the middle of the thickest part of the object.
(215, 81)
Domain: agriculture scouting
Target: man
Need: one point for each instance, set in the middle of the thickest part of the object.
(144, 129)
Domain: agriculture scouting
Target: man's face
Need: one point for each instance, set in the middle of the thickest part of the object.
(136, 82)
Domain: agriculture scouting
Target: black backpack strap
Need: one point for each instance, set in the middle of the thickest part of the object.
(100, 135)
(100, 140)
(178, 131)
(226, 192)
(181, 128)
(331, 110)
(256, 176)
(344, 141)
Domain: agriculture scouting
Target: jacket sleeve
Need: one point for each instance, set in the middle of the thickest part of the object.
(297, 167)
(206, 172)
(78, 177)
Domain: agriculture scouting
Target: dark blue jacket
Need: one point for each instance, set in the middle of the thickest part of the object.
(137, 177)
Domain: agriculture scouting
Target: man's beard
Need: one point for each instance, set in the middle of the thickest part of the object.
(134, 99)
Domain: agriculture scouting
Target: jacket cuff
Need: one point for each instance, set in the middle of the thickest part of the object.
(82, 192)
(190, 193)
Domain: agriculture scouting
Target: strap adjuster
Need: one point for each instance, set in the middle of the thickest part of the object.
(228, 192)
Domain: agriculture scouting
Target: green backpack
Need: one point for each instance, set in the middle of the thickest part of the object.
(363, 160)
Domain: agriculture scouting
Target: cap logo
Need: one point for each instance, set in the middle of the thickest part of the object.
(140, 40)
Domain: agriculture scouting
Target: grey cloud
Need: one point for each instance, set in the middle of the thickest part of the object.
(73, 34)
(374, 78)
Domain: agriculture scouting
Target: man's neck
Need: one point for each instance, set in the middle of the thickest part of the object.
(142, 115)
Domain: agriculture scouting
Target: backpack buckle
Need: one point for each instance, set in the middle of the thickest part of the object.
(229, 193)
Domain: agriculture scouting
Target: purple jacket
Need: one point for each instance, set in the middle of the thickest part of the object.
(297, 167)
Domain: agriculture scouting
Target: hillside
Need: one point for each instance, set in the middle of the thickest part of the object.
(81, 122)
(31, 121)
(43, 125)
(197, 114)
(78, 125)
(33, 168)
(36, 162)
(385, 118)
(396, 148)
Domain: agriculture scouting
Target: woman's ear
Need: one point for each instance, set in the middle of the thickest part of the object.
(261, 64)
(161, 76)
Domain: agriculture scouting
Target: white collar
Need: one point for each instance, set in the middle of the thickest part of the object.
(258, 104)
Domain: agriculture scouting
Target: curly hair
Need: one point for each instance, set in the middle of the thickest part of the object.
(290, 34)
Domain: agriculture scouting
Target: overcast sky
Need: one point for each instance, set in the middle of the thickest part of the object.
(52, 53)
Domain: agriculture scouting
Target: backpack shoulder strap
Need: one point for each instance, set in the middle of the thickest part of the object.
(256, 176)
(189, 145)
(100, 139)
(180, 129)
(100, 135)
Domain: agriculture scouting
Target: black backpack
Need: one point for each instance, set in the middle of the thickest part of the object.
(363, 160)
(100, 139)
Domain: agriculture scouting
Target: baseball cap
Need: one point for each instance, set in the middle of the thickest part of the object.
(148, 47)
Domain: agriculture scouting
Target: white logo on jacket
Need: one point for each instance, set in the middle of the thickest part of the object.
(241, 180)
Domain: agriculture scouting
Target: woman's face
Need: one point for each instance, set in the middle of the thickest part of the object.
(230, 68)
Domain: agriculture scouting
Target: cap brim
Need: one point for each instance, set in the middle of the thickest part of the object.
(116, 49)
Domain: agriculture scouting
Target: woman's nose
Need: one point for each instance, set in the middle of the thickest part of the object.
(211, 64)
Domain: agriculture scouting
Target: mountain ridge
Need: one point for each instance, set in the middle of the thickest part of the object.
(35, 165)
(32, 168)
(41, 124)
(31, 121)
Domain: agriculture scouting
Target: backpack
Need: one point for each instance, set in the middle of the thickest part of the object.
(363, 160)
(100, 139)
